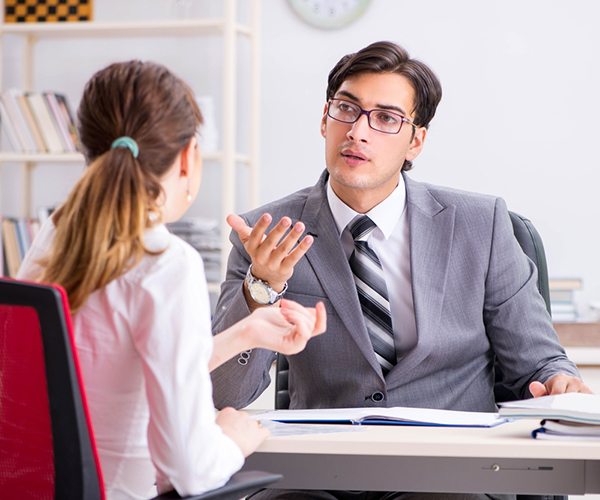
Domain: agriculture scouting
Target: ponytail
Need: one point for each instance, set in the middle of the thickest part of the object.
(99, 230)
(152, 114)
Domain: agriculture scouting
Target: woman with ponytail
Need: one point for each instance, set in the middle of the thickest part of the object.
(138, 295)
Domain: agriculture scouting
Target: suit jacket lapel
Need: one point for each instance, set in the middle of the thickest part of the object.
(330, 265)
(431, 232)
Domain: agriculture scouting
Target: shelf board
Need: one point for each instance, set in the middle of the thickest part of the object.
(120, 29)
(41, 157)
(11, 157)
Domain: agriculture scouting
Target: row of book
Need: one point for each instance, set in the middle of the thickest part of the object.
(204, 236)
(16, 238)
(38, 122)
(18, 233)
(562, 299)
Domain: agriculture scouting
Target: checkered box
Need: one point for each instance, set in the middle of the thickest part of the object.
(47, 11)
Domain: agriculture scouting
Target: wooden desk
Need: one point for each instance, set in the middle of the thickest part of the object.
(504, 459)
(578, 334)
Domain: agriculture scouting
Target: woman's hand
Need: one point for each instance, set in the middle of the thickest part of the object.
(244, 431)
(286, 329)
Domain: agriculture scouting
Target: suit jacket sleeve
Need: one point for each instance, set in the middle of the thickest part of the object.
(517, 322)
(241, 380)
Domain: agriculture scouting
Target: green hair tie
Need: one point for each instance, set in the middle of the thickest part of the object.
(126, 142)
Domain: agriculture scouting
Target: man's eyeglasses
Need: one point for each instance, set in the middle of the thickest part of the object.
(381, 120)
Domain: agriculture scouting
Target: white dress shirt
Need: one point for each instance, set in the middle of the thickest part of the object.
(144, 342)
(390, 241)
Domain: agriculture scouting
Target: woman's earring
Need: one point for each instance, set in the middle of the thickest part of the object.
(189, 196)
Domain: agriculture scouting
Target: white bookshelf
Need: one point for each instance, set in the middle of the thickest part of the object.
(227, 27)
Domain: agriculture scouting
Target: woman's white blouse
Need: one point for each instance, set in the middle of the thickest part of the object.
(144, 343)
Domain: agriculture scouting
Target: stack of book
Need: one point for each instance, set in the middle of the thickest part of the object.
(562, 301)
(204, 236)
(571, 416)
(38, 122)
(16, 238)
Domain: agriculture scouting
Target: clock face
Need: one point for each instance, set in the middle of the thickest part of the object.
(329, 14)
(259, 293)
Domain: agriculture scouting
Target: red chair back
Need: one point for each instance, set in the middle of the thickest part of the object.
(47, 449)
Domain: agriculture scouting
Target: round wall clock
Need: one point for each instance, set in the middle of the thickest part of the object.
(329, 14)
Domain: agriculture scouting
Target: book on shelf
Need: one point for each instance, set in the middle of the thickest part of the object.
(45, 122)
(10, 248)
(33, 128)
(565, 284)
(17, 236)
(8, 128)
(65, 110)
(15, 115)
(59, 121)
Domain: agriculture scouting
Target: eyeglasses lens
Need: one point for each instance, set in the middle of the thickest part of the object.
(379, 119)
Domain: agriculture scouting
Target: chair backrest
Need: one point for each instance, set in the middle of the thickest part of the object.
(47, 449)
(531, 243)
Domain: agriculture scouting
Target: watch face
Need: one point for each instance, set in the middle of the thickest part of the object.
(329, 14)
(259, 293)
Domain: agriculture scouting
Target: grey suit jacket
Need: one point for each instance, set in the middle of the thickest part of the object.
(475, 296)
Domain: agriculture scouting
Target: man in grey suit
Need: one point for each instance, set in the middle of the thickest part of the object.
(421, 295)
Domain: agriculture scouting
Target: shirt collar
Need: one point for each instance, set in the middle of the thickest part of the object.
(385, 215)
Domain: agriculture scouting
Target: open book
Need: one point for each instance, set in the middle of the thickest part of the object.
(397, 416)
(572, 407)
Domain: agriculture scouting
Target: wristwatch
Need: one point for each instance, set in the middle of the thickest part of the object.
(261, 291)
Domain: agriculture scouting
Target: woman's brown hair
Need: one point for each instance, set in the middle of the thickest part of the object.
(100, 228)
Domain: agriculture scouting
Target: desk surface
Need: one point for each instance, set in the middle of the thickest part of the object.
(503, 459)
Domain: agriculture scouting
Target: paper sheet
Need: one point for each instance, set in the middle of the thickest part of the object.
(281, 429)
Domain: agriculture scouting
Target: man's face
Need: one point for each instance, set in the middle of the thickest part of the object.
(364, 164)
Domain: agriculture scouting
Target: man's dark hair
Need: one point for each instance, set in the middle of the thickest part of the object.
(387, 57)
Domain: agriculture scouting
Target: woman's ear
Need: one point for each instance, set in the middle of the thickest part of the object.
(187, 157)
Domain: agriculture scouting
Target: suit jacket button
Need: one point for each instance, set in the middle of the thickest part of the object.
(377, 396)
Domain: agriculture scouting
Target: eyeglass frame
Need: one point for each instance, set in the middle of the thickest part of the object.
(368, 113)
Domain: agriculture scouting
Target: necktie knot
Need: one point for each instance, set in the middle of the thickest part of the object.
(361, 227)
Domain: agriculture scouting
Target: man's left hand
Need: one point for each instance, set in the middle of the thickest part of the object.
(559, 384)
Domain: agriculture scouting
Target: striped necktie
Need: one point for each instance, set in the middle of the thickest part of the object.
(372, 292)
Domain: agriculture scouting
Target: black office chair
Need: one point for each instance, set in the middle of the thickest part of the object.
(47, 448)
(531, 243)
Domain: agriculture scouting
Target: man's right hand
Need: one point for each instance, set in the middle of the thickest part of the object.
(273, 255)
(243, 430)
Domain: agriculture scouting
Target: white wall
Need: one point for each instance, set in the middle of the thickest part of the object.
(519, 117)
